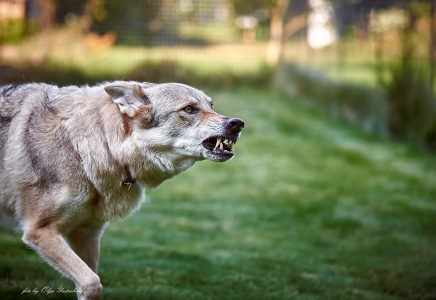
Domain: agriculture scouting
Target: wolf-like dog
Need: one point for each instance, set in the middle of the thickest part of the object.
(74, 158)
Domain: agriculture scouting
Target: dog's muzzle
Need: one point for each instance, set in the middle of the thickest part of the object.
(221, 147)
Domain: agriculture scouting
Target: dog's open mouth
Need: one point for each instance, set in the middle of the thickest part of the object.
(221, 146)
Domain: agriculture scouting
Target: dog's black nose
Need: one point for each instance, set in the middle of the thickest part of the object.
(234, 125)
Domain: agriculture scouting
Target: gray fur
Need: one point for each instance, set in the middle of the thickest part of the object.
(74, 158)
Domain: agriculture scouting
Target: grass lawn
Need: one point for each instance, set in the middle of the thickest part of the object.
(308, 209)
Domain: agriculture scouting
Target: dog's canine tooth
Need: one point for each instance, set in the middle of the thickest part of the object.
(221, 146)
(218, 142)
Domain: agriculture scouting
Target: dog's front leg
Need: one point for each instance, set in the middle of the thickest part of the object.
(54, 249)
(85, 241)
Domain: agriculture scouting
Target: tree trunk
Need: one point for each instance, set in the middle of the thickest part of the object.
(432, 51)
(275, 44)
(48, 9)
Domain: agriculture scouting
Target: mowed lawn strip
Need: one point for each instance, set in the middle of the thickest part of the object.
(308, 209)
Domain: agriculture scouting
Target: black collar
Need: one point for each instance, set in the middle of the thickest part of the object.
(129, 178)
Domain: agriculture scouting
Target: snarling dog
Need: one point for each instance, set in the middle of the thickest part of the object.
(74, 158)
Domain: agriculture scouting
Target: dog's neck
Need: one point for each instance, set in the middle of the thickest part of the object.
(155, 168)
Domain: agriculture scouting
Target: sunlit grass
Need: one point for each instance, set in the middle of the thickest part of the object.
(351, 61)
(66, 47)
(204, 60)
(308, 209)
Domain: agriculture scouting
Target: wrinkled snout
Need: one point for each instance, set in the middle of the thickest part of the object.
(220, 146)
(234, 125)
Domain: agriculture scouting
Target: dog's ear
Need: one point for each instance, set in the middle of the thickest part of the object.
(130, 99)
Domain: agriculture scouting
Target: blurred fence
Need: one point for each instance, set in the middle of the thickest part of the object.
(201, 35)
(357, 41)
(386, 46)
(347, 40)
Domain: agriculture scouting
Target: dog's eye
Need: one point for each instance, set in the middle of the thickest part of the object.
(188, 109)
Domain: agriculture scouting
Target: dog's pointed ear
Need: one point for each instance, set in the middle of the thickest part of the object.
(129, 98)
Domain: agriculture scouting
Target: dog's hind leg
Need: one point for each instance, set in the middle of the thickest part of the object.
(54, 249)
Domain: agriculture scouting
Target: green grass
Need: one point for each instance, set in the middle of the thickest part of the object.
(308, 209)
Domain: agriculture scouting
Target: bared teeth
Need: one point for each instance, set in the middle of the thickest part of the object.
(220, 144)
